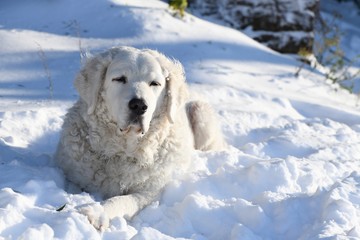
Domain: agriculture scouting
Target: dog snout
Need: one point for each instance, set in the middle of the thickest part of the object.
(137, 106)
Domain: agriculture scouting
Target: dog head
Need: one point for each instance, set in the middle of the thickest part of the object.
(135, 85)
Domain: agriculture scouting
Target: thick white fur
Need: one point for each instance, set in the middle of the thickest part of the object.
(130, 162)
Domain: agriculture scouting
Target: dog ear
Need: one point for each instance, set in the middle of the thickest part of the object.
(91, 77)
(176, 89)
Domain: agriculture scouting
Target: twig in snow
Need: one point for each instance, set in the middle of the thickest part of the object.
(44, 61)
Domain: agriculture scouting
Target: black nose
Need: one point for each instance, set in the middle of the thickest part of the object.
(137, 106)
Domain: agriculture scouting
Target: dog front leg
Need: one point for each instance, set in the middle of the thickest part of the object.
(123, 206)
(99, 215)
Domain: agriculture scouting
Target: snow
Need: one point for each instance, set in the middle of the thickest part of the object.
(293, 168)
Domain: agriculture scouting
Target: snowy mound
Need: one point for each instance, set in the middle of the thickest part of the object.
(293, 170)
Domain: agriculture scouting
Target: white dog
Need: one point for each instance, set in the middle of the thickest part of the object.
(131, 130)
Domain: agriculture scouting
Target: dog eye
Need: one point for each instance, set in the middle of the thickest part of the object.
(121, 79)
(155, 83)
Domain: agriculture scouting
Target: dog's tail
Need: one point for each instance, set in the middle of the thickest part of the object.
(205, 127)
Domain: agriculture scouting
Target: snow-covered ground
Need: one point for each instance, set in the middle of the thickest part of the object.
(293, 170)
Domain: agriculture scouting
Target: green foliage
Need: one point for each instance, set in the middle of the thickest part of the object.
(304, 52)
(305, 55)
(179, 6)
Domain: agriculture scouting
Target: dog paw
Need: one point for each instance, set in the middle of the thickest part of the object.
(96, 215)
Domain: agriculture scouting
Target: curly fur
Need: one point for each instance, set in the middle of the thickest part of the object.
(129, 169)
